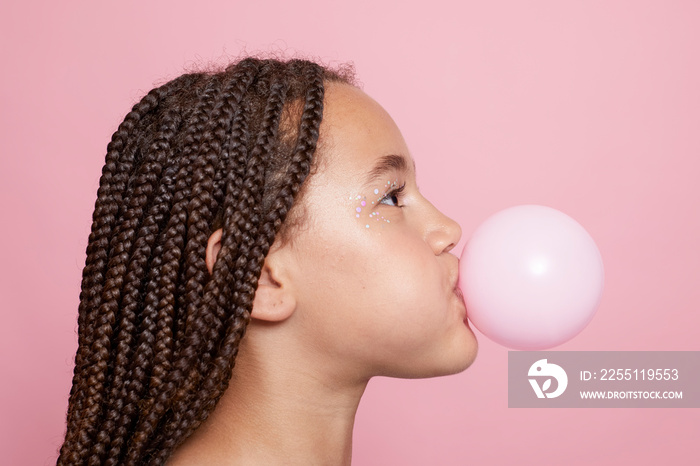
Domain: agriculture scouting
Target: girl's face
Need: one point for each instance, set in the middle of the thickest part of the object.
(373, 278)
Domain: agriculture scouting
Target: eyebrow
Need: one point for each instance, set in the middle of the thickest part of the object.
(387, 164)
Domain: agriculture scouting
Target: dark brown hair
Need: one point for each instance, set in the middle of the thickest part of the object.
(157, 334)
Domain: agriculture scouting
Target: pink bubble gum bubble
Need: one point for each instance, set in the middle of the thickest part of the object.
(532, 277)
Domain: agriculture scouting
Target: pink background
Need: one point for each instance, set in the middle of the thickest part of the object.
(591, 107)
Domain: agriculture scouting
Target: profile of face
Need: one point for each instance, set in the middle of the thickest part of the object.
(366, 283)
(374, 282)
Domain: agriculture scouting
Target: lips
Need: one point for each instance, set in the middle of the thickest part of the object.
(455, 286)
(458, 292)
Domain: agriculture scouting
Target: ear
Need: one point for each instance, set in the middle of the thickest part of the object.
(274, 300)
(213, 248)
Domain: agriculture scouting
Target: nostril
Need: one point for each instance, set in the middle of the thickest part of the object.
(441, 242)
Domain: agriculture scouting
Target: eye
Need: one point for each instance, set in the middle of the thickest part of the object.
(393, 197)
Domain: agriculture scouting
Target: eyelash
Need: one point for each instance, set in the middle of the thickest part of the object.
(394, 193)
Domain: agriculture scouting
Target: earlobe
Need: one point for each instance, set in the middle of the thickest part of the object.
(274, 301)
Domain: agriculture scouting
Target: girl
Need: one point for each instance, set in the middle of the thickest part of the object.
(273, 199)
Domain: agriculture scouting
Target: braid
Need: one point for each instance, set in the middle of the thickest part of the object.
(251, 260)
(109, 197)
(195, 408)
(187, 353)
(119, 409)
(158, 335)
(161, 298)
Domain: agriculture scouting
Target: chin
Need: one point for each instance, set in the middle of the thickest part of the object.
(462, 354)
(459, 363)
(468, 359)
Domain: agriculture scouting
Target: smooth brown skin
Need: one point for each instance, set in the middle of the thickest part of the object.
(339, 304)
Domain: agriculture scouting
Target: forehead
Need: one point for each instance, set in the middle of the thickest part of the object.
(356, 131)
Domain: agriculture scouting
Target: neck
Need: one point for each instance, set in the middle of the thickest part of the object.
(274, 413)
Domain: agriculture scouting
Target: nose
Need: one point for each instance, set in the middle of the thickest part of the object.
(442, 233)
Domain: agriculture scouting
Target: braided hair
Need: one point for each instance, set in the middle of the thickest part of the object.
(157, 333)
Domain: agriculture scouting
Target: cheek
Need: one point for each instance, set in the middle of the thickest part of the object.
(402, 282)
(370, 278)
(414, 267)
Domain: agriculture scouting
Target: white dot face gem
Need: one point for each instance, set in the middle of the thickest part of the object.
(363, 203)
